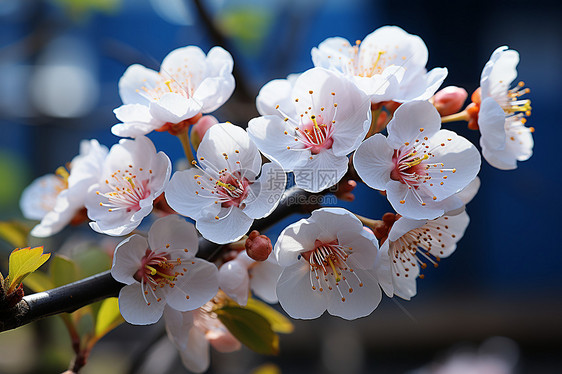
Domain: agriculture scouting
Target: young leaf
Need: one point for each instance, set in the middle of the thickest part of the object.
(23, 262)
(279, 323)
(108, 317)
(250, 328)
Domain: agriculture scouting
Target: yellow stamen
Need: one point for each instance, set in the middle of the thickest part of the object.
(336, 274)
(168, 83)
(416, 161)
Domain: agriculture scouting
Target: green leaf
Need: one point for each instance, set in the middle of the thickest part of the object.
(279, 323)
(23, 262)
(63, 271)
(38, 282)
(250, 328)
(108, 317)
(14, 232)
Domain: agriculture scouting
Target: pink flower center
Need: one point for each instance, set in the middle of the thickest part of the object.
(126, 191)
(315, 134)
(157, 270)
(328, 262)
(232, 189)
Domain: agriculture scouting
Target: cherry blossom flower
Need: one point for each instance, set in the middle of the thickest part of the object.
(193, 332)
(413, 244)
(238, 276)
(313, 130)
(223, 194)
(56, 199)
(388, 65)
(501, 119)
(419, 165)
(329, 263)
(133, 176)
(162, 271)
(188, 84)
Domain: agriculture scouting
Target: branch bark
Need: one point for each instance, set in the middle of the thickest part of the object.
(70, 297)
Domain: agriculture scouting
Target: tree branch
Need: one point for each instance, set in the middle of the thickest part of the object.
(70, 297)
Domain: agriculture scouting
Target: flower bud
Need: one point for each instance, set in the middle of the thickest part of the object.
(449, 100)
(258, 247)
(200, 128)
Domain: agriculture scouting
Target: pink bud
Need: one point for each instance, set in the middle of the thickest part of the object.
(200, 128)
(449, 100)
(258, 247)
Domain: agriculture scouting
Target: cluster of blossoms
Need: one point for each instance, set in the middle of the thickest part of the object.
(368, 110)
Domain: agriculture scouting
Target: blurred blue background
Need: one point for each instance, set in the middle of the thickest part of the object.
(60, 62)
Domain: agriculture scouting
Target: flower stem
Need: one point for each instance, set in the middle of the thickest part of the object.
(460, 116)
(184, 139)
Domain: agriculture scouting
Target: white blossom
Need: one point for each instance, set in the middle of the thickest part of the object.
(419, 165)
(223, 194)
(162, 270)
(188, 84)
(133, 176)
(316, 123)
(329, 264)
(55, 199)
(501, 119)
(388, 65)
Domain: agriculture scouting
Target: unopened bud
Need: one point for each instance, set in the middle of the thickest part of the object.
(345, 190)
(258, 247)
(449, 100)
(200, 128)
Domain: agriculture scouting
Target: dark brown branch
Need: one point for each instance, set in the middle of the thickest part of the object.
(68, 298)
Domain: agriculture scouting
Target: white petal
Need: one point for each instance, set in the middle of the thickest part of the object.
(458, 154)
(349, 132)
(174, 108)
(402, 226)
(268, 132)
(127, 258)
(399, 47)
(266, 192)
(322, 171)
(382, 87)
(136, 119)
(173, 232)
(196, 354)
(333, 222)
(39, 197)
(273, 93)
(411, 208)
(294, 239)
(135, 310)
(234, 280)
(412, 120)
(296, 295)
(196, 287)
(360, 302)
(373, 161)
(214, 92)
(131, 84)
(181, 195)
(491, 121)
(226, 138)
(451, 228)
(383, 271)
(364, 247)
(178, 325)
(332, 53)
(264, 279)
(226, 229)
(423, 86)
